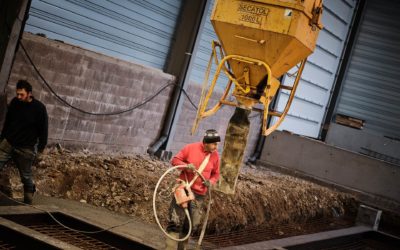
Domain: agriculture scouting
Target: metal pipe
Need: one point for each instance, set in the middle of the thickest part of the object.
(261, 139)
(160, 141)
(258, 150)
(183, 47)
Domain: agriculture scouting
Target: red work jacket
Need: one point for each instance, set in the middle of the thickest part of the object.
(194, 153)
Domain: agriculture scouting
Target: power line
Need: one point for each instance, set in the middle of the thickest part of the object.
(148, 99)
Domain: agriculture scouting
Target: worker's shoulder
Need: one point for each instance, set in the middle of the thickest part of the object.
(38, 103)
(13, 101)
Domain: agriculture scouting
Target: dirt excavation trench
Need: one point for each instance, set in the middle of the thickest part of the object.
(125, 184)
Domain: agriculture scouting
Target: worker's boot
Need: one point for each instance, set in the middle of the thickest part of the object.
(28, 195)
(171, 244)
(28, 198)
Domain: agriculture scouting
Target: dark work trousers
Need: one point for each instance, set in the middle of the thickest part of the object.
(23, 158)
(177, 220)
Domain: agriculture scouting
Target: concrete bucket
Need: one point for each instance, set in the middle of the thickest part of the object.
(280, 33)
(259, 41)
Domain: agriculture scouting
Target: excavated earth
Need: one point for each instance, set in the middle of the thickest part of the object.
(125, 184)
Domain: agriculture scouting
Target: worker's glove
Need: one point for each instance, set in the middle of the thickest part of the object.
(207, 183)
(190, 167)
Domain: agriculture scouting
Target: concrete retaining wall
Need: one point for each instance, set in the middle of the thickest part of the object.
(363, 141)
(332, 164)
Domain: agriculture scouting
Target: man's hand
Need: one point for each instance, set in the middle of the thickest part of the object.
(190, 167)
(207, 183)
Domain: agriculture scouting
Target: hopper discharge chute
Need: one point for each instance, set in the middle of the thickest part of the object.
(260, 40)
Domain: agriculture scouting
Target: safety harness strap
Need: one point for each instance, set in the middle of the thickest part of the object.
(201, 169)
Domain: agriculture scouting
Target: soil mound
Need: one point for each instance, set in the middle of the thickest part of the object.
(125, 184)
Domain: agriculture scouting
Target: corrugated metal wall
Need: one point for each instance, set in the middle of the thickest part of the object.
(202, 55)
(371, 88)
(139, 31)
(312, 97)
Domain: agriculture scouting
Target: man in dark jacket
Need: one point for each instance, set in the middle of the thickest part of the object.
(24, 134)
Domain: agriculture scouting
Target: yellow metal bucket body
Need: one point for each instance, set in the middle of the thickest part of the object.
(280, 33)
(259, 41)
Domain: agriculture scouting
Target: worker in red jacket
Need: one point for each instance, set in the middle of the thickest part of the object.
(193, 156)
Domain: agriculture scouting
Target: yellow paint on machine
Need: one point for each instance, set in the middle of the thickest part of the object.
(259, 41)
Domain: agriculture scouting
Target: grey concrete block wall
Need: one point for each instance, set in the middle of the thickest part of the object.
(98, 83)
(95, 83)
(219, 121)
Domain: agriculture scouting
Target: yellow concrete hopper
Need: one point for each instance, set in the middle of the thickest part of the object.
(260, 40)
(280, 33)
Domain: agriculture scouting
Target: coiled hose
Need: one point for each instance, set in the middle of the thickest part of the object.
(186, 210)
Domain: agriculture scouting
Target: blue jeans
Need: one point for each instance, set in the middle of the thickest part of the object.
(23, 158)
